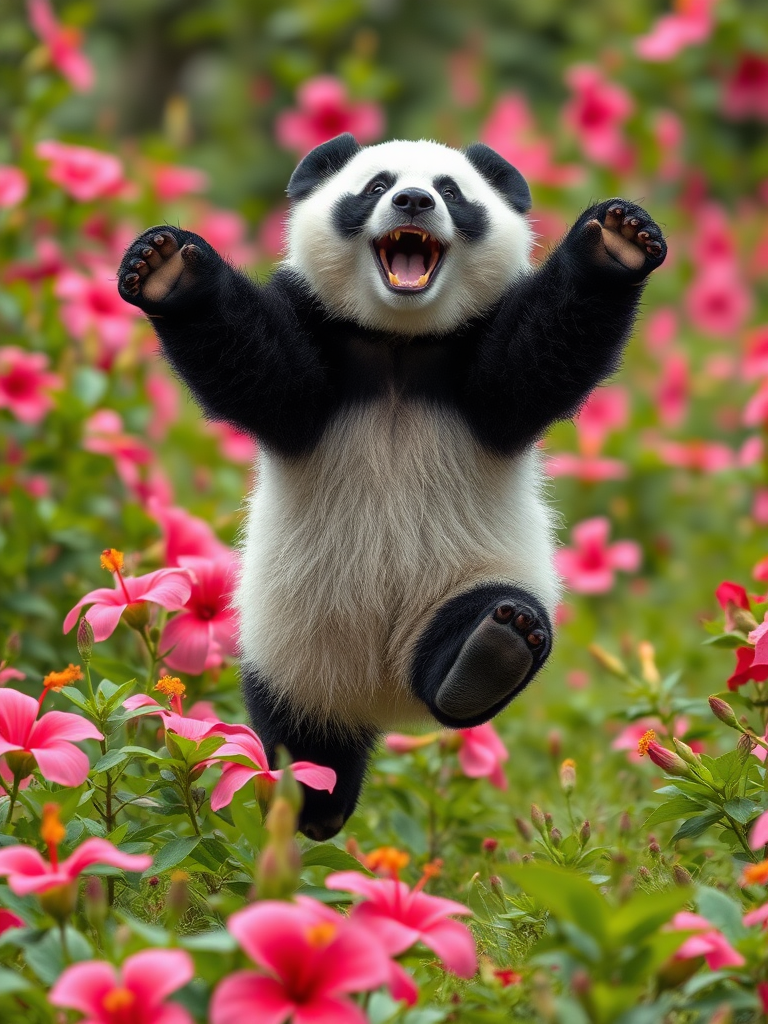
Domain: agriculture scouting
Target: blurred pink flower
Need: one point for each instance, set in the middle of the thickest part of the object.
(85, 174)
(205, 631)
(585, 468)
(703, 456)
(48, 263)
(170, 588)
(272, 233)
(692, 23)
(758, 836)
(465, 73)
(103, 435)
(164, 396)
(400, 743)
(226, 231)
(669, 135)
(756, 410)
(7, 674)
(185, 534)
(246, 744)
(311, 959)
(755, 362)
(760, 506)
(170, 182)
(746, 91)
(661, 327)
(48, 740)
(605, 410)
(746, 671)
(134, 994)
(9, 920)
(596, 113)
(511, 131)
(235, 445)
(673, 389)
(717, 301)
(24, 380)
(400, 917)
(589, 566)
(757, 916)
(711, 944)
(91, 303)
(482, 753)
(63, 43)
(324, 112)
(27, 871)
(713, 242)
(13, 186)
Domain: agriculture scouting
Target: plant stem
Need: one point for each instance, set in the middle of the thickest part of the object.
(14, 794)
(190, 805)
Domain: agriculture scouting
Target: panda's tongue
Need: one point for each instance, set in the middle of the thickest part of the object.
(408, 269)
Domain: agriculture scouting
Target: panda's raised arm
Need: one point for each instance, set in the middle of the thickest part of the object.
(240, 348)
(561, 330)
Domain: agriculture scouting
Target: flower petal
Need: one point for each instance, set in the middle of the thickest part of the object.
(324, 1010)
(104, 618)
(245, 996)
(153, 974)
(62, 763)
(101, 851)
(314, 775)
(190, 640)
(759, 835)
(167, 587)
(84, 986)
(103, 595)
(17, 716)
(234, 777)
(56, 726)
(454, 944)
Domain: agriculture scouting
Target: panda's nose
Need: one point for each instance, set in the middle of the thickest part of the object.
(413, 201)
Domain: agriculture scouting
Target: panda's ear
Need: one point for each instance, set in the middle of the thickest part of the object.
(505, 178)
(322, 162)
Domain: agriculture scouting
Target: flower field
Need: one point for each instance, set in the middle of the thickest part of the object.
(596, 855)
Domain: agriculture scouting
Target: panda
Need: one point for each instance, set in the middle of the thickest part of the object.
(397, 370)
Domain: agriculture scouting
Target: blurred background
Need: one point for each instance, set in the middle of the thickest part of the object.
(114, 117)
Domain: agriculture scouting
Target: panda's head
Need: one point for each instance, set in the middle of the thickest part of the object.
(407, 237)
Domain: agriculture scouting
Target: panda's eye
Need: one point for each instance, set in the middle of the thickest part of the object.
(449, 193)
(376, 188)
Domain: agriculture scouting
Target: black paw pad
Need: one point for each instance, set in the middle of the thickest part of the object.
(526, 623)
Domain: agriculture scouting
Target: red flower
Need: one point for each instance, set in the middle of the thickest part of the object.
(718, 302)
(9, 920)
(589, 566)
(745, 670)
(746, 92)
(85, 174)
(511, 131)
(47, 740)
(206, 629)
(710, 943)
(63, 43)
(731, 597)
(703, 456)
(606, 409)
(91, 304)
(324, 112)
(133, 994)
(24, 381)
(596, 114)
(400, 917)
(310, 959)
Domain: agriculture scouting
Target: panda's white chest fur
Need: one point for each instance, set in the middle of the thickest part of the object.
(350, 549)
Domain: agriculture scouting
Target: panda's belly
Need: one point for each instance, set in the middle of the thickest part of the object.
(395, 508)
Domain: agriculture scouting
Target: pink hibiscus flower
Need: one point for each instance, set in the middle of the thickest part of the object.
(7, 674)
(9, 920)
(13, 186)
(206, 630)
(482, 753)
(246, 744)
(103, 435)
(586, 468)
(697, 455)
(710, 943)
(400, 917)
(185, 534)
(92, 305)
(170, 182)
(596, 114)
(27, 871)
(746, 671)
(673, 389)
(47, 741)
(511, 131)
(691, 23)
(24, 382)
(311, 959)
(746, 91)
(169, 588)
(759, 835)
(63, 43)
(134, 994)
(718, 302)
(606, 410)
(324, 112)
(589, 566)
(85, 174)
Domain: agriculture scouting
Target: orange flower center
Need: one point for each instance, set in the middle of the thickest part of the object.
(756, 874)
(118, 1000)
(321, 934)
(645, 741)
(58, 680)
(387, 860)
(112, 560)
(51, 830)
(171, 686)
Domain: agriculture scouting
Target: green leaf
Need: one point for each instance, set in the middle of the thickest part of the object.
(697, 825)
(74, 696)
(110, 760)
(724, 912)
(741, 809)
(728, 640)
(171, 854)
(644, 914)
(11, 981)
(329, 856)
(219, 941)
(144, 752)
(678, 807)
(46, 957)
(211, 853)
(568, 896)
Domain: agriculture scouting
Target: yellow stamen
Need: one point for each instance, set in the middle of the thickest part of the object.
(430, 870)
(171, 686)
(645, 741)
(568, 763)
(118, 999)
(321, 934)
(58, 680)
(112, 560)
(386, 860)
(51, 830)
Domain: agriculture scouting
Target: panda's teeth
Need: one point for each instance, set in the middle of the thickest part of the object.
(396, 235)
(422, 280)
(394, 279)
(383, 257)
(424, 236)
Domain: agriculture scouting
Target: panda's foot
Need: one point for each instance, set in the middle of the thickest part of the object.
(620, 238)
(162, 264)
(481, 649)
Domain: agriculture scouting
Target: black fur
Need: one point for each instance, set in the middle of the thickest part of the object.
(323, 813)
(470, 219)
(505, 178)
(321, 163)
(350, 212)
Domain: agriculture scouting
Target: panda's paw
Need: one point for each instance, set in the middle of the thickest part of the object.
(620, 238)
(496, 660)
(163, 264)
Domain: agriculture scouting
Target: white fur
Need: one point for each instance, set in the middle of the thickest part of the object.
(350, 550)
(343, 272)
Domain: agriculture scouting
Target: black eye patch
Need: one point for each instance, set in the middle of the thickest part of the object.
(350, 212)
(470, 218)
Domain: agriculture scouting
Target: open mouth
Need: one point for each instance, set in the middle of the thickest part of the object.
(409, 258)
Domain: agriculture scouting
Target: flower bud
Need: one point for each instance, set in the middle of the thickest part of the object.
(287, 786)
(496, 886)
(489, 845)
(178, 894)
(685, 752)
(524, 828)
(555, 837)
(85, 640)
(548, 819)
(625, 824)
(681, 875)
(59, 901)
(671, 763)
(584, 833)
(643, 874)
(568, 776)
(742, 619)
(745, 746)
(554, 743)
(154, 634)
(538, 818)
(95, 901)
(653, 846)
(608, 661)
(722, 710)
(281, 820)
(137, 615)
(648, 669)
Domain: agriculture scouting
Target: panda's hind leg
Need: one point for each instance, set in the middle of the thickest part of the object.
(323, 814)
(479, 651)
